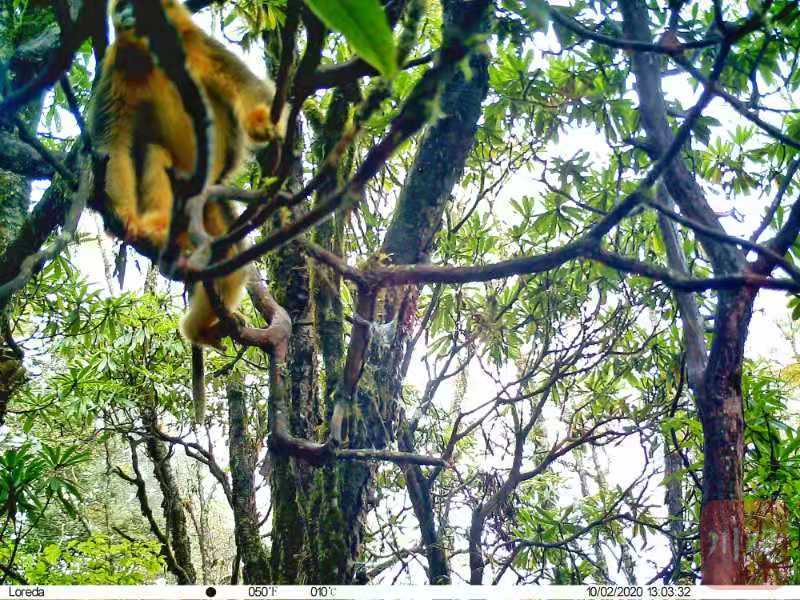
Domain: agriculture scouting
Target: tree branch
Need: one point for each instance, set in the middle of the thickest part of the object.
(59, 61)
(630, 45)
(679, 181)
(693, 326)
(20, 158)
(141, 494)
(770, 213)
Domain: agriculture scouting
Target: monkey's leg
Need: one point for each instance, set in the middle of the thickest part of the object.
(121, 188)
(201, 324)
(196, 323)
(156, 195)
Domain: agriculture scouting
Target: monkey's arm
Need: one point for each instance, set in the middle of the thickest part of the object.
(251, 97)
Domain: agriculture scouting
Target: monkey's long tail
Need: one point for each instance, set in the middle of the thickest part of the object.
(198, 385)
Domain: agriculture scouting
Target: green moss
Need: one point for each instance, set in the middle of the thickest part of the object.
(288, 524)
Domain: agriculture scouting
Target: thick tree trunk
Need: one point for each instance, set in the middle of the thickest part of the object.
(291, 480)
(322, 520)
(324, 544)
(722, 536)
(426, 192)
(437, 167)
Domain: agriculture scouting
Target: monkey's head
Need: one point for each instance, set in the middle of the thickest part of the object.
(123, 16)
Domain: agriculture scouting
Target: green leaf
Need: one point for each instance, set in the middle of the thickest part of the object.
(51, 554)
(796, 313)
(364, 24)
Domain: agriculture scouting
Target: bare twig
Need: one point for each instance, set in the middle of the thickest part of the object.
(770, 213)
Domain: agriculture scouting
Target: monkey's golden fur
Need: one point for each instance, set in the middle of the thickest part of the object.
(139, 121)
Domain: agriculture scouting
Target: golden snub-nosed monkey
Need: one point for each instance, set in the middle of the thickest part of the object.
(138, 120)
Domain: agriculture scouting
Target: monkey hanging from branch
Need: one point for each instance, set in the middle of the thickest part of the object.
(139, 121)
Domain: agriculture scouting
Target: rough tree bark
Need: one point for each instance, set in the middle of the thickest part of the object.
(438, 165)
(426, 192)
(291, 480)
(325, 514)
(137, 480)
(321, 519)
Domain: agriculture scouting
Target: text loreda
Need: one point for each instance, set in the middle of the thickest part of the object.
(25, 592)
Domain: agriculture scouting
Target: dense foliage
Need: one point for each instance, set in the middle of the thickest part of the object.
(519, 343)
